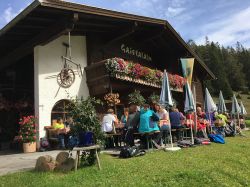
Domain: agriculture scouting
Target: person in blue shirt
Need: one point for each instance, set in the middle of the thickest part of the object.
(149, 124)
(148, 120)
(176, 118)
(124, 117)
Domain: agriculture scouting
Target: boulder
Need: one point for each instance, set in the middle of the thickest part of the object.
(66, 166)
(61, 157)
(45, 163)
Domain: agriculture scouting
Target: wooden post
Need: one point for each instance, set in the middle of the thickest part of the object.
(98, 160)
(77, 158)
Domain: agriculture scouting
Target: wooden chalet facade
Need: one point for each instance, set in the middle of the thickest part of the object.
(33, 34)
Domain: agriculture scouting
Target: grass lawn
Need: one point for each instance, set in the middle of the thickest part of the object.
(214, 165)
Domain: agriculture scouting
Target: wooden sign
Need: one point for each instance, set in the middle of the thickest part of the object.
(135, 52)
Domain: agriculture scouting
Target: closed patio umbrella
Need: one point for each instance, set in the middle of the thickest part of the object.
(243, 111)
(235, 110)
(221, 105)
(209, 105)
(235, 106)
(166, 100)
(189, 105)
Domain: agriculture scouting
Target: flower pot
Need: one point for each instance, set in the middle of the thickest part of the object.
(86, 139)
(29, 147)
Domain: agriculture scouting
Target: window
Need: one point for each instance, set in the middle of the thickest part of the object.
(60, 110)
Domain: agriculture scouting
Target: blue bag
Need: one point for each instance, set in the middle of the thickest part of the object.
(216, 138)
(73, 142)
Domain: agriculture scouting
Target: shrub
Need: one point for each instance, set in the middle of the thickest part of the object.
(85, 117)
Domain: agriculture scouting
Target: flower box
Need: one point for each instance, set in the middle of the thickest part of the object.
(134, 72)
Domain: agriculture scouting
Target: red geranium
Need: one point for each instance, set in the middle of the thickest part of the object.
(28, 129)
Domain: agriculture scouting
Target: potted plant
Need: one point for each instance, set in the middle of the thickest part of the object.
(136, 98)
(28, 133)
(154, 98)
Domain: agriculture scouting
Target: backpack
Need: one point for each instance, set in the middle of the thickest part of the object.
(44, 143)
(184, 143)
(229, 131)
(216, 138)
(128, 152)
(73, 142)
(201, 141)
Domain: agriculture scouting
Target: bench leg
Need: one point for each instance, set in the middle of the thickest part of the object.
(77, 159)
(98, 160)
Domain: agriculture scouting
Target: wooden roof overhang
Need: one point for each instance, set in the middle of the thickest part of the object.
(44, 20)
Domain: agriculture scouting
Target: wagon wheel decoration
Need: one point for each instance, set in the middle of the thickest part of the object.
(66, 77)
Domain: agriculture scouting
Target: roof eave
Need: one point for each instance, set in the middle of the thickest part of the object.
(20, 16)
(190, 50)
(98, 11)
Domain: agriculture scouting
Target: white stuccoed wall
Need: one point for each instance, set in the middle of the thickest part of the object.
(48, 62)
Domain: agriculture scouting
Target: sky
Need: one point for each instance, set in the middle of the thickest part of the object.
(223, 21)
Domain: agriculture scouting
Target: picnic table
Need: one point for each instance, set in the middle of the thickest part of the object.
(88, 148)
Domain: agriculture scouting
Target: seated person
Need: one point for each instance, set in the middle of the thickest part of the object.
(242, 122)
(124, 117)
(132, 125)
(68, 129)
(221, 120)
(164, 117)
(147, 121)
(176, 121)
(202, 123)
(59, 126)
(69, 123)
(220, 123)
(109, 121)
(164, 122)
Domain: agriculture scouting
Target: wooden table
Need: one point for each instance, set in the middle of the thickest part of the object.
(78, 149)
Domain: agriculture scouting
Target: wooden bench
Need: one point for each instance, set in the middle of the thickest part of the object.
(113, 135)
(52, 136)
(79, 149)
(148, 136)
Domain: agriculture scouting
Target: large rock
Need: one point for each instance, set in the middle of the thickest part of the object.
(45, 163)
(61, 157)
(66, 166)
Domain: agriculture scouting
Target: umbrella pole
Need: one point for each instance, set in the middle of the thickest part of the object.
(170, 133)
(192, 136)
(172, 148)
(238, 116)
(211, 130)
(195, 123)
